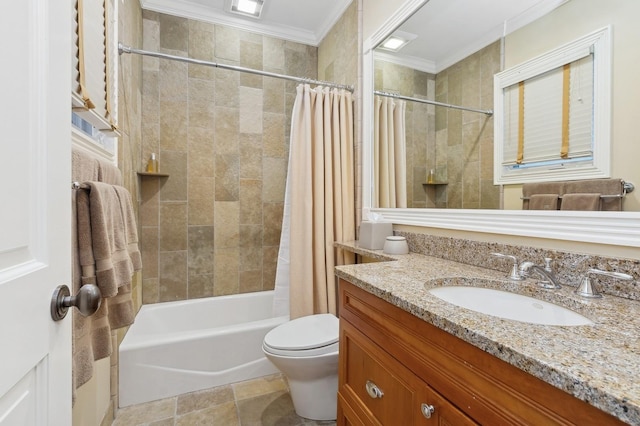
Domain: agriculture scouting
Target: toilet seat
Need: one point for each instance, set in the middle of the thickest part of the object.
(312, 335)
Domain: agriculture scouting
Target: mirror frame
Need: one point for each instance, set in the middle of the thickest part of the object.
(613, 228)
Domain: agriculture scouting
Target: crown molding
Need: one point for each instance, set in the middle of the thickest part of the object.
(190, 10)
(407, 61)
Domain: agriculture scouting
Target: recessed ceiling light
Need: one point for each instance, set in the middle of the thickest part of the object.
(397, 41)
(394, 43)
(251, 8)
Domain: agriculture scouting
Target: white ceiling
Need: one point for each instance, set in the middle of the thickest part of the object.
(450, 30)
(447, 30)
(302, 21)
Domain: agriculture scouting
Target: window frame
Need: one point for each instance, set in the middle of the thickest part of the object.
(598, 43)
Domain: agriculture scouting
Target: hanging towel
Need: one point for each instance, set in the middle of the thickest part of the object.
(121, 311)
(588, 202)
(84, 167)
(544, 202)
(108, 237)
(130, 227)
(108, 173)
(530, 189)
(611, 188)
(109, 254)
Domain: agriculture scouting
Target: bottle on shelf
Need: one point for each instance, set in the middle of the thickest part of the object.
(152, 164)
(431, 176)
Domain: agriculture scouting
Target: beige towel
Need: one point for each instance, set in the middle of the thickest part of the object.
(121, 310)
(589, 202)
(131, 228)
(544, 202)
(529, 189)
(108, 173)
(112, 263)
(84, 167)
(601, 186)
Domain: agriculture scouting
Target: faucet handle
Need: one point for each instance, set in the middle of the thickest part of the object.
(586, 288)
(514, 275)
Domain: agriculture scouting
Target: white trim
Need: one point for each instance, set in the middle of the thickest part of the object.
(190, 10)
(83, 142)
(617, 228)
(600, 42)
(533, 13)
(334, 17)
(412, 62)
(609, 228)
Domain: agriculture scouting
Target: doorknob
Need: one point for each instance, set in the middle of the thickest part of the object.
(87, 301)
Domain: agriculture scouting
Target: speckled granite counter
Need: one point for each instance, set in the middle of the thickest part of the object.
(599, 363)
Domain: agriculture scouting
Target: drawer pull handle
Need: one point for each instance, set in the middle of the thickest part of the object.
(373, 390)
(427, 410)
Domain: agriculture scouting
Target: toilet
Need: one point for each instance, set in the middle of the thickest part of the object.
(305, 350)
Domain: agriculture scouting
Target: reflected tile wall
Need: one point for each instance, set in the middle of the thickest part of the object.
(213, 226)
(464, 148)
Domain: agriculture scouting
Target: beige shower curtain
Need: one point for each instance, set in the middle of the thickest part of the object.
(389, 153)
(322, 196)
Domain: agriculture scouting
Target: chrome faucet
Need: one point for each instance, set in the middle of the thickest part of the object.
(552, 281)
(586, 288)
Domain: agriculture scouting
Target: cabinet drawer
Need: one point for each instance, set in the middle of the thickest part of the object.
(384, 391)
(374, 382)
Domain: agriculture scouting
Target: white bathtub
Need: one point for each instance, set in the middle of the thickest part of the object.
(179, 347)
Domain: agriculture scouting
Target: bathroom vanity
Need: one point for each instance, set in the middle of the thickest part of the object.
(408, 358)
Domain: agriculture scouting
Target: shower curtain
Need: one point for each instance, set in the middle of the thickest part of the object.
(319, 201)
(389, 153)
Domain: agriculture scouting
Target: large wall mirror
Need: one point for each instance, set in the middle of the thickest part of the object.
(453, 50)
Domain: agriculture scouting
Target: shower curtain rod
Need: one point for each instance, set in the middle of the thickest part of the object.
(425, 101)
(127, 49)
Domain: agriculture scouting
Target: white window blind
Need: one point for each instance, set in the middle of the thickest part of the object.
(94, 62)
(540, 105)
(570, 85)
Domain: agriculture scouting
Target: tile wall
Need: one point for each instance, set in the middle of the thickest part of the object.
(464, 140)
(457, 145)
(213, 226)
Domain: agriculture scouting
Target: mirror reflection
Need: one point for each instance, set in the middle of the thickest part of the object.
(428, 156)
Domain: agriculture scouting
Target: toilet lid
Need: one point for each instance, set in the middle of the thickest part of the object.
(303, 333)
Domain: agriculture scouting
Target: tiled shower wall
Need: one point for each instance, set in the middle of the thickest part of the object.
(212, 227)
(419, 126)
(464, 140)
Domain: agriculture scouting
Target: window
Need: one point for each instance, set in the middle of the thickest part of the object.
(552, 119)
(95, 59)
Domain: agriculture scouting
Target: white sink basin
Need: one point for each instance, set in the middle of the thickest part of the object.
(508, 305)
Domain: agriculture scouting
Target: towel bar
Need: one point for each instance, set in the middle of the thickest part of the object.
(78, 185)
(627, 187)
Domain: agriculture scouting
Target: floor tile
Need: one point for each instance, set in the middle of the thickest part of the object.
(259, 402)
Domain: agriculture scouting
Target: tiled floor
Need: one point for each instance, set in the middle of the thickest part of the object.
(260, 402)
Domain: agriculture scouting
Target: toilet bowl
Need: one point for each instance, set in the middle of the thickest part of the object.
(305, 350)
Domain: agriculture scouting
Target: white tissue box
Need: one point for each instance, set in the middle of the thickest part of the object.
(374, 234)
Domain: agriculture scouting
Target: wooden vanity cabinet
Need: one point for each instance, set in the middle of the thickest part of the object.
(395, 369)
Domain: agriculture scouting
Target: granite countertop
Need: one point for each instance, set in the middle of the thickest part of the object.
(598, 363)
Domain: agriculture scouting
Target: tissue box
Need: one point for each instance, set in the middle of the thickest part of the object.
(374, 234)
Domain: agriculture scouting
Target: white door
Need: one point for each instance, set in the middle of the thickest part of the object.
(35, 211)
